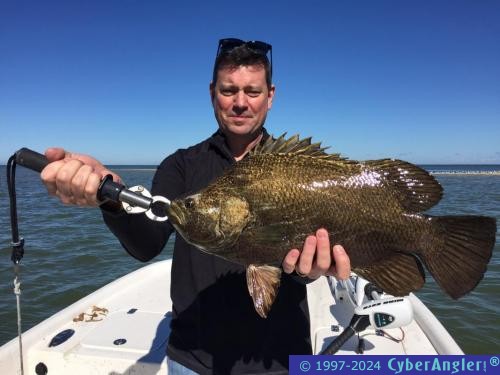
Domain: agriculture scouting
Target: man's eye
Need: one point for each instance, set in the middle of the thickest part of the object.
(253, 94)
(227, 92)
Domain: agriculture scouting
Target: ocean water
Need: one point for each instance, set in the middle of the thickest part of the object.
(69, 253)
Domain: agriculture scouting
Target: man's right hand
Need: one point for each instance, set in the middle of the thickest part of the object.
(74, 178)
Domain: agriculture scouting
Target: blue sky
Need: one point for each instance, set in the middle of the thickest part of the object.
(127, 81)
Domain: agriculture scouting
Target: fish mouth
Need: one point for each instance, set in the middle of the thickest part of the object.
(176, 214)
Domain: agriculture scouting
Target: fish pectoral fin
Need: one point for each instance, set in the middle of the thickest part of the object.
(270, 234)
(263, 283)
(398, 275)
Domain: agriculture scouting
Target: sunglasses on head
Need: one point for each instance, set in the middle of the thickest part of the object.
(228, 44)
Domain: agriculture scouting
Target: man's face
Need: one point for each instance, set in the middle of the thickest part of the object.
(241, 99)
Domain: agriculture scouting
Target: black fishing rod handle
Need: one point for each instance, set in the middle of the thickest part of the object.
(31, 159)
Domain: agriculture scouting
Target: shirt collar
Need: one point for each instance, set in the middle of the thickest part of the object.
(218, 140)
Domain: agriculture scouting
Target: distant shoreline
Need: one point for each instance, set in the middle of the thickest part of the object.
(466, 173)
(433, 169)
(436, 173)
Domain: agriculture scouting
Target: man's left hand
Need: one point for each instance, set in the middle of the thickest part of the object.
(318, 259)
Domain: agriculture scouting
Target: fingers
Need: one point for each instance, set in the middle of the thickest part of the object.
(55, 153)
(48, 176)
(104, 172)
(65, 177)
(315, 258)
(323, 255)
(78, 185)
(291, 260)
(318, 258)
(341, 268)
(73, 178)
(305, 263)
(91, 187)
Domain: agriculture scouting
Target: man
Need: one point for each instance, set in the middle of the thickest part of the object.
(215, 328)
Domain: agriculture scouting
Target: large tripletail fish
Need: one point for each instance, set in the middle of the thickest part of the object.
(286, 189)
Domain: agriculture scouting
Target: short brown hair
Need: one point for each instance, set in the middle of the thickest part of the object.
(242, 56)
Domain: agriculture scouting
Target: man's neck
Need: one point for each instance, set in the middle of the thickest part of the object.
(240, 146)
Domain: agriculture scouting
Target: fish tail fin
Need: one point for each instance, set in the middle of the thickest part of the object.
(458, 259)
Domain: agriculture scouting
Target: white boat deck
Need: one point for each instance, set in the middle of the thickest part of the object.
(136, 313)
(414, 340)
(132, 336)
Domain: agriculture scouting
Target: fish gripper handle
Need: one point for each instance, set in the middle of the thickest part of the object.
(31, 159)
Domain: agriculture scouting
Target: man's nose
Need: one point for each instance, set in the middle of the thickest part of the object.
(240, 100)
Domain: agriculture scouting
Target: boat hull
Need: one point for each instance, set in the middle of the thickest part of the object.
(130, 329)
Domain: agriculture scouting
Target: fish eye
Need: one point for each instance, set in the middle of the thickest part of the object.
(189, 202)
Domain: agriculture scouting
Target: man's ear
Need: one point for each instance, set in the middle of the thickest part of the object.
(212, 91)
(270, 96)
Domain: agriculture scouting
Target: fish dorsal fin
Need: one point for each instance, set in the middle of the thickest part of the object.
(294, 145)
(263, 283)
(398, 275)
(418, 190)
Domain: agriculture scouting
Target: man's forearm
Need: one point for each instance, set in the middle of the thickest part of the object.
(142, 238)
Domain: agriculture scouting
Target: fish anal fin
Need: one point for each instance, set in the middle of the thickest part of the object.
(398, 275)
(418, 190)
(263, 283)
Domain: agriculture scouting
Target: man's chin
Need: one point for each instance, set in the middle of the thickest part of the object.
(241, 123)
(241, 129)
